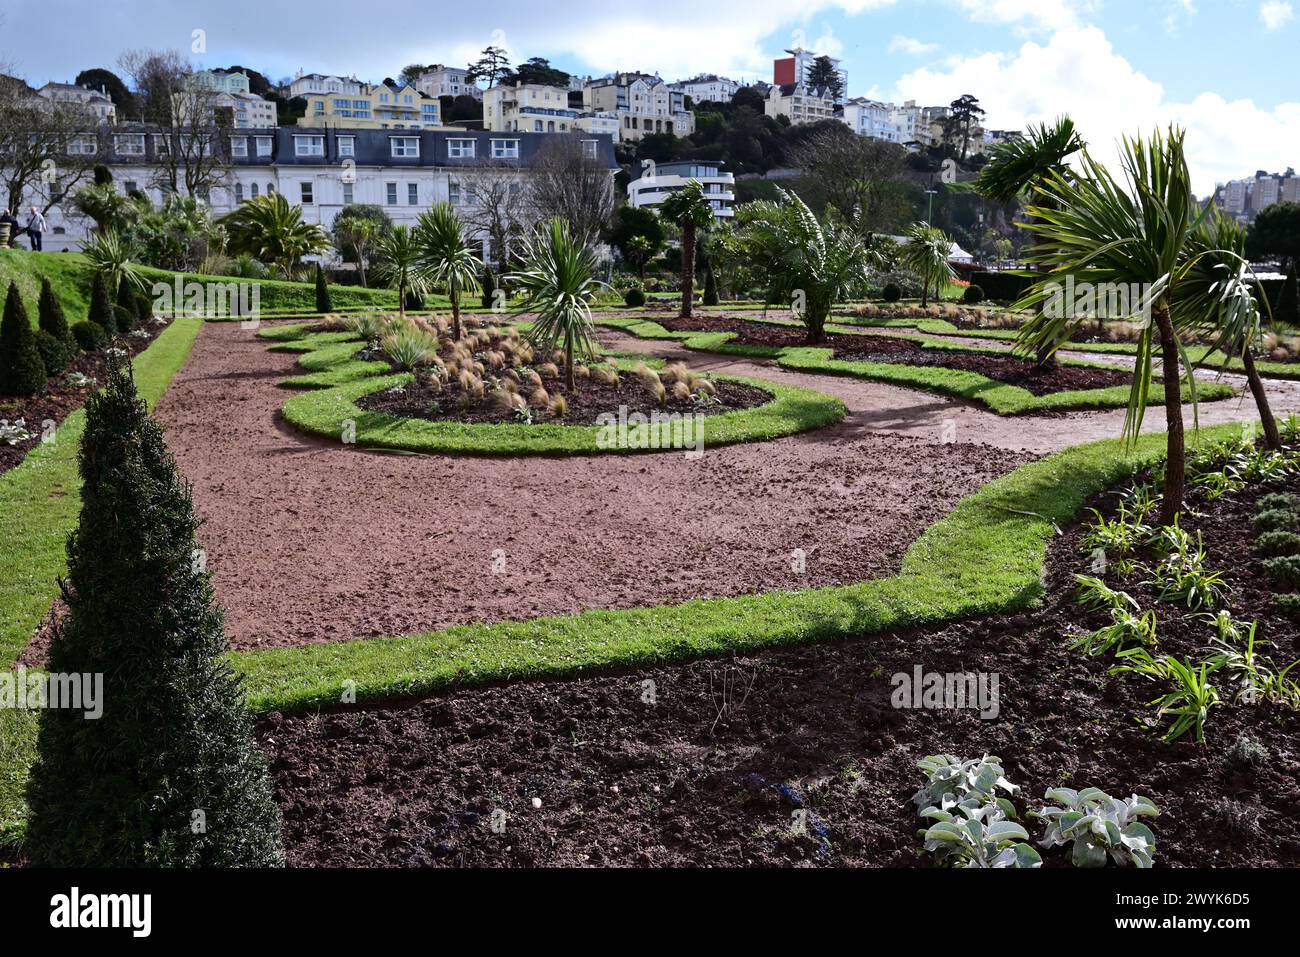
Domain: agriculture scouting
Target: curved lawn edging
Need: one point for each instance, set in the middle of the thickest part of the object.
(986, 557)
(999, 398)
(337, 380)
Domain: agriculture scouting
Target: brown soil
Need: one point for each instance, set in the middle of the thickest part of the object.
(853, 348)
(592, 399)
(60, 399)
(370, 544)
(712, 772)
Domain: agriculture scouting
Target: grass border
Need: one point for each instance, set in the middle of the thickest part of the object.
(336, 380)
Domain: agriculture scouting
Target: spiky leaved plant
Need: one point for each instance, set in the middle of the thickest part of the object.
(927, 254)
(168, 774)
(558, 283)
(398, 263)
(447, 256)
(689, 208)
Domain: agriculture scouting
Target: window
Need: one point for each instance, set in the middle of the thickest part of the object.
(128, 144)
(412, 194)
(263, 146)
(83, 145)
(347, 146)
(391, 189)
(239, 192)
(238, 146)
(453, 194)
(404, 145)
(270, 189)
(309, 145)
(130, 186)
(505, 149)
(589, 148)
(307, 197)
(347, 194)
(253, 191)
(460, 149)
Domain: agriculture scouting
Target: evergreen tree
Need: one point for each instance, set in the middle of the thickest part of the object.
(710, 288)
(1288, 303)
(51, 317)
(168, 774)
(323, 303)
(126, 310)
(22, 370)
(101, 306)
(489, 287)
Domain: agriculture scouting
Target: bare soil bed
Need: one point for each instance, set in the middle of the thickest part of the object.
(713, 771)
(60, 399)
(592, 398)
(312, 541)
(882, 349)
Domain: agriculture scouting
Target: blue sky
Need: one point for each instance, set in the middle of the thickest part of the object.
(1224, 68)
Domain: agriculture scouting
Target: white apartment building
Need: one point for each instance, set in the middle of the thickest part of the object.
(95, 102)
(537, 108)
(1291, 189)
(707, 88)
(872, 119)
(798, 104)
(655, 183)
(1267, 191)
(315, 84)
(441, 80)
(643, 104)
(793, 70)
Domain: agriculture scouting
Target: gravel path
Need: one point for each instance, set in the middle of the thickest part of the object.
(311, 541)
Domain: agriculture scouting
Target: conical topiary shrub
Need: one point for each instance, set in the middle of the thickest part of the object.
(710, 288)
(22, 370)
(126, 310)
(323, 302)
(1288, 303)
(51, 317)
(168, 775)
(101, 306)
(489, 284)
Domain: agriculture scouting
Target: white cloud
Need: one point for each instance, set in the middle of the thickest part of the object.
(1275, 14)
(911, 46)
(1041, 14)
(1079, 72)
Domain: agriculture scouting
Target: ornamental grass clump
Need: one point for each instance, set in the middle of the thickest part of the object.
(168, 775)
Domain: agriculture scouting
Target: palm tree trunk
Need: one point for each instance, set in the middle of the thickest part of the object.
(1175, 447)
(401, 299)
(455, 311)
(569, 380)
(1272, 440)
(688, 270)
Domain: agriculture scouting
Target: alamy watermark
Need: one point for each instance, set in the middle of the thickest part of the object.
(1099, 300)
(211, 300)
(658, 430)
(21, 690)
(946, 691)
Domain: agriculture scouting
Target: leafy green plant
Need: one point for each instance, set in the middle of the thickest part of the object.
(1098, 827)
(90, 336)
(1126, 630)
(367, 325)
(408, 346)
(1276, 520)
(1278, 500)
(1284, 570)
(399, 264)
(1188, 703)
(1278, 544)
(978, 838)
(447, 256)
(1117, 537)
(1181, 576)
(272, 230)
(952, 782)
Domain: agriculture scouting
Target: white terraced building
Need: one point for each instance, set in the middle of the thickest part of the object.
(655, 184)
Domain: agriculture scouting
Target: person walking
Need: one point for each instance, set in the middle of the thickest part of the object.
(35, 228)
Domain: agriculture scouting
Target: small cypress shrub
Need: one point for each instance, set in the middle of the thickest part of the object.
(101, 306)
(143, 309)
(710, 288)
(51, 317)
(168, 775)
(54, 352)
(489, 283)
(892, 292)
(22, 370)
(1288, 302)
(323, 302)
(634, 298)
(125, 312)
(90, 336)
(973, 295)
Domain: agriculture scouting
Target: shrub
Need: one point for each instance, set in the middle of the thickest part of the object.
(414, 301)
(1276, 544)
(22, 371)
(489, 284)
(1285, 570)
(143, 308)
(710, 288)
(1277, 500)
(634, 298)
(51, 318)
(1287, 311)
(1098, 826)
(1002, 286)
(973, 295)
(1275, 520)
(892, 292)
(101, 307)
(323, 303)
(90, 336)
(125, 313)
(54, 352)
(1288, 605)
(168, 774)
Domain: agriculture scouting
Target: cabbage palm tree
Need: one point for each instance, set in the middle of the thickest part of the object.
(273, 230)
(446, 255)
(558, 283)
(112, 254)
(103, 204)
(399, 264)
(1137, 235)
(799, 255)
(1220, 291)
(927, 253)
(689, 208)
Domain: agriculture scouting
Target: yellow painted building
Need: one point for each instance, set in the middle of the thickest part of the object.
(367, 106)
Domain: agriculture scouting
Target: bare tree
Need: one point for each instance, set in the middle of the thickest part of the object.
(496, 205)
(571, 183)
(47, 148)
(190, 149)
(861, 178)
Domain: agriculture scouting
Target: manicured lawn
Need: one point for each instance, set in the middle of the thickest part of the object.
(39, 505)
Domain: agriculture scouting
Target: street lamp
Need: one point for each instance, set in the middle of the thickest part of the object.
(932, 193)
